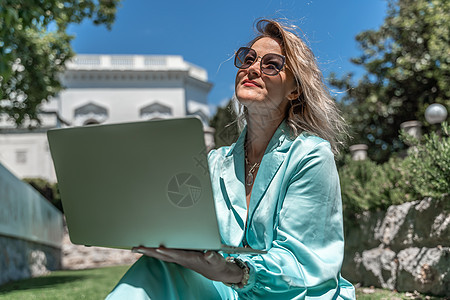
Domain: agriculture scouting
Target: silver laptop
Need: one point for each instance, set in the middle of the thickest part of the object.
(142, 183)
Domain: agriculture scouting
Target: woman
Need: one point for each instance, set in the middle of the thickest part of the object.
(275, 189)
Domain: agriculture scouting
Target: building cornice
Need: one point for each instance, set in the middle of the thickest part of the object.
(150, 63)
(121, 75)
(24, 130)
(202, 84)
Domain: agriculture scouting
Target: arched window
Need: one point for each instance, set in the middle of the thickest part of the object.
(91, 122)
(90, 114)
(155, 111)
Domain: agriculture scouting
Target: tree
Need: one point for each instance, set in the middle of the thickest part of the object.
(406, 64)
(48, 190)
(224, 122)
(32, 56)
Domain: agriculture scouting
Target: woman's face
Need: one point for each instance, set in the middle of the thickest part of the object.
(263, 94)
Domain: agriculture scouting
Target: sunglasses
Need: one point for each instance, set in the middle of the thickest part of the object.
(271, 64)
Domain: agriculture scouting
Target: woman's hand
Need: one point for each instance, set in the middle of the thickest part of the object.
(210, 264)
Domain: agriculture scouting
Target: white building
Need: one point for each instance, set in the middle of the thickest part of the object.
(102, 89)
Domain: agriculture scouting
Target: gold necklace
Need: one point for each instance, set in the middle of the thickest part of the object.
(249, 178)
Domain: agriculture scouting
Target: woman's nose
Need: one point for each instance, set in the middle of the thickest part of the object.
(255, 68)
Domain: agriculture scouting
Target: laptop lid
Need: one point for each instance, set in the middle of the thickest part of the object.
(142, 183)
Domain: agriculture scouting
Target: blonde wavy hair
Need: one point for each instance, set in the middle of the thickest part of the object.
(314, 111)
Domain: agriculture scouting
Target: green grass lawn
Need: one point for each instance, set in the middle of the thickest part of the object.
(97, 283)
(65, 285)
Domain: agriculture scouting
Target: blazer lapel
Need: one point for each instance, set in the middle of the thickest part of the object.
(233, 171)
(271, 162)
(232, 174)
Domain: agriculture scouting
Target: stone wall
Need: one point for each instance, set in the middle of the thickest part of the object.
(406, 248)
(31, 230)
(23, 259)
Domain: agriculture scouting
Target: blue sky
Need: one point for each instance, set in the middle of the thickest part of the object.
(207, 33)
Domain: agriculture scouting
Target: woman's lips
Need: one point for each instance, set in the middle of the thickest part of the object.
(250, 83)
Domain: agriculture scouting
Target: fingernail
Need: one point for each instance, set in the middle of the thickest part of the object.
(210, 255)
(137, 250)
(160, 250)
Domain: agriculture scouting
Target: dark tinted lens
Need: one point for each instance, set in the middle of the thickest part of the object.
(271, 64)
(244, 58)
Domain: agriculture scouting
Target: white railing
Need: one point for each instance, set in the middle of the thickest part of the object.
(155, 61)
(122, 61)
(136, 62)
(87, 60)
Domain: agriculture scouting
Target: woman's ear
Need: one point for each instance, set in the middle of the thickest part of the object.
(294, 94)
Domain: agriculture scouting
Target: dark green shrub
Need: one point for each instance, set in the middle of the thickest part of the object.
(427, 167)
(368, 186)
(388, 187)
(425, 172)
(354, 177)
(48, 190)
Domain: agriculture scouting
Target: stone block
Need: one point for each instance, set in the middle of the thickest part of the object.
(392, 223)
(21, 259)
(426, 270)
(37, 260)
(379, 268)
(404, 248)
(422, 223)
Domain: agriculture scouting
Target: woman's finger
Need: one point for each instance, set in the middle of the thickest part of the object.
(183, 257)
(179, 255)
(213, 257)
(151, 252)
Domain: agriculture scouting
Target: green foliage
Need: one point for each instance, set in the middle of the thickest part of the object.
(354, 176)
(391, 180)
(32, 56)
(427, 167)
(425, 172)
(368, 186)
(224, 122)
(48, 190)
(407, 67)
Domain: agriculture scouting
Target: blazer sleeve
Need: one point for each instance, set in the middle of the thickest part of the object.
(307, 250)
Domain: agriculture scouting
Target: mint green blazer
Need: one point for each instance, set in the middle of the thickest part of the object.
(295, 213)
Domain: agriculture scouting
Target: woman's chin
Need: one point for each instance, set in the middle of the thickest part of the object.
(248, 98)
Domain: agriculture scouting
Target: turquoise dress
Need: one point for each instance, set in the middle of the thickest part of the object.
(295, 214)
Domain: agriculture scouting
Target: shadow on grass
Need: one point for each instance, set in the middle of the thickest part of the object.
(39, 282)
